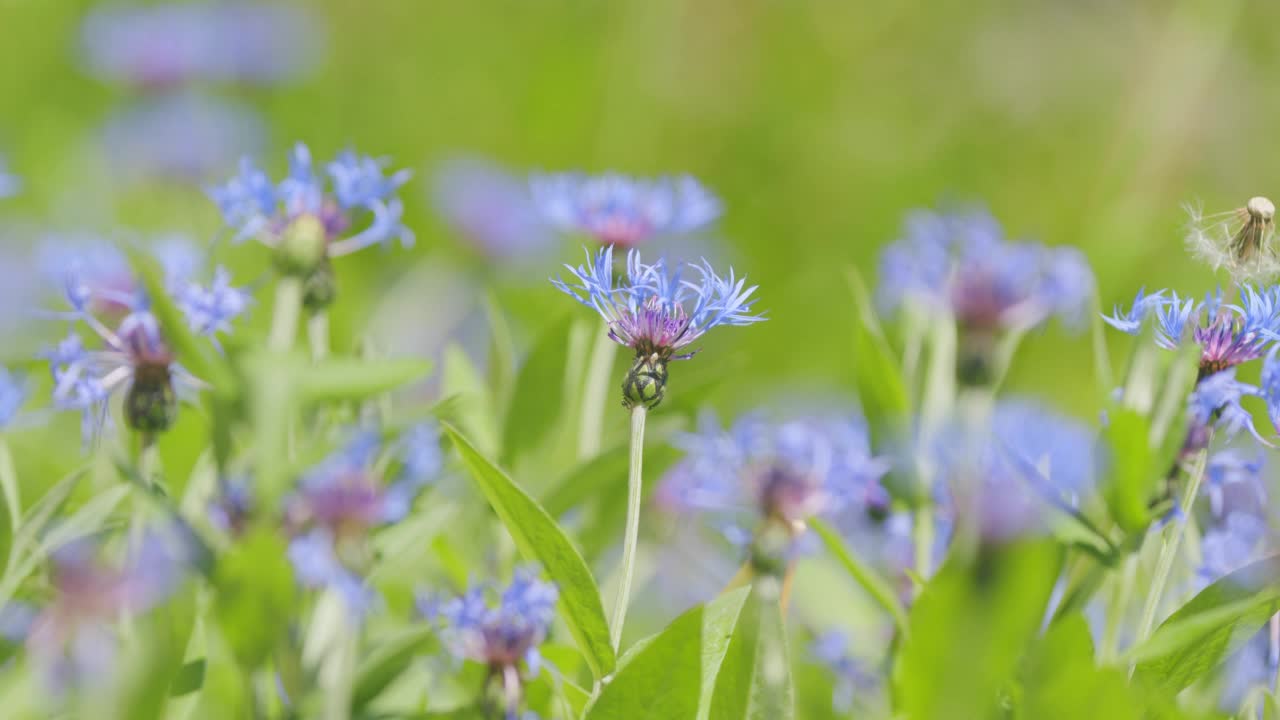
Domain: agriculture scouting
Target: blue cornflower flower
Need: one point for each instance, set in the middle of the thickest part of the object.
(70, 640)
(10, 184)
(135, 355)
(501, 635)
(186, 136)
(357, 191)
(1216, 403)
(1010, 473)
(832, 650)
(618, 210)
(1231, 544)
(176, 43)
(490, 208)
(960, 263)
(344, 497)
(782, 472)
(1228, 334)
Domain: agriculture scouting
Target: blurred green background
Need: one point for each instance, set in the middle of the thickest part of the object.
(819, 123)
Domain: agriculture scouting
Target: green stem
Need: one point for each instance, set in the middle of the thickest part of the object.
(288, 309)
(863, 573)
(634, 481)
(595, 393)
(149, 466)
(1110, 648)
(10, 491)
(1169, 550)
(318, 334)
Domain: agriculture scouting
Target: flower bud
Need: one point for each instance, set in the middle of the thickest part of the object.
(151, 405)
(302, 246)
(646, 381)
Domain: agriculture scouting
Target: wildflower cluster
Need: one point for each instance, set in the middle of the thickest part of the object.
(959, 265)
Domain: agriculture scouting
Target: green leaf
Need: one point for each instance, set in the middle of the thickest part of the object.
(1212, 625)
(1062, 682)
(881, 388)
(339, 379)
(539, 538)
(1133, 480)
(502, 352)
(256, 596)
(472, 403)
(386, 662)
(11, 518)
(188, 679)
(862, 573)
(970, 627)
(671, 674)
(151, 660)
(538, 403)
(754, 682)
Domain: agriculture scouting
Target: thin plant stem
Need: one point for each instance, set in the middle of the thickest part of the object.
(285, 315)
(634, 481)
(318, 334)
(1169, 550)
(1273, 650)
(149, 467)
(1110, 648)
(595, 394)
(923, 540)
(788, 582)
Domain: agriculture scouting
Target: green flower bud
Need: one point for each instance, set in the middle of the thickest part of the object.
(303, 246)
(151, 405)
(320, 287)
(646, 381)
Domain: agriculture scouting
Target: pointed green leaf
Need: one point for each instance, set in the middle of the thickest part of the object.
(671, 674)
(1132, 481)
(539, 538)
(256, 596)
(537, 404)
(472, 402)
(1061, 681)
(1211, 626)
(754, 682)
(386, 662)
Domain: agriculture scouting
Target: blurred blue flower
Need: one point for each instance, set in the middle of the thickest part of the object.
(10, 184)
(13, 394)
(1216, 403)
(618, 210)
(134, 355)
(499, 634)
(1007, 474)
(1233, 482)
(70, 640)
(1231, 544)
(655, 309)
(1228, 334)
(187, 136)
(357, 191)
(960, 263)
(786, 471)
(342, 499)
(491, 209)
(218, 41)
(832, 650)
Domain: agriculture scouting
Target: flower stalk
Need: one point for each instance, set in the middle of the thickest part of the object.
(634, 496)
(288, 310)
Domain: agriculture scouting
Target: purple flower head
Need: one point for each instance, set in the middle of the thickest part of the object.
(960, 263)
(231, 510)
(831, 649)
(786, 471)
(1010, 474)
(618, 210)
(185, 136)
(1228, 334)
(346, 496)
(498, 627)
(659, 308)
(491, 209)
(70, 639)
(354, 190)
(218, 41)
